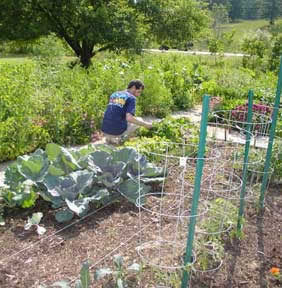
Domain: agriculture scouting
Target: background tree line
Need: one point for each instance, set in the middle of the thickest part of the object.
(249, 9)
(92, 26)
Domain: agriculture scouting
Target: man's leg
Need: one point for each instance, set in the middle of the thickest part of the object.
(113, 139)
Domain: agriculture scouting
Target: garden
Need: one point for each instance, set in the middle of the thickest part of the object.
(81, 214)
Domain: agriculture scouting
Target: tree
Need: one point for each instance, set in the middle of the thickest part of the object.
(235, 11)
(272, 8)
(92, 26)
(252, 9)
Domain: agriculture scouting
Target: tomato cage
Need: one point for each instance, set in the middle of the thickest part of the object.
(234, 125)
(167, 208)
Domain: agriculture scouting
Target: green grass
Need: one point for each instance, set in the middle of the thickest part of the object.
(242, 28)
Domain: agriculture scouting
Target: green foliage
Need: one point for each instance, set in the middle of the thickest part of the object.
(156, 99)
(166, 136)
(172, 129)
(276, 52)
(115, 25)
(178, 21)
(255, 48)
(73, 179)
(183, 82)
(221, 217)
(34, 221)
(120, 273)
(45, 101)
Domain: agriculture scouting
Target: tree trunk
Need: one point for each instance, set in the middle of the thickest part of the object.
(86, 54)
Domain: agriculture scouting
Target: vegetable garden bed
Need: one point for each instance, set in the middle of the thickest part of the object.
(28, 260)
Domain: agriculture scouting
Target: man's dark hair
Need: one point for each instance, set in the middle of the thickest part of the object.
(137, 83)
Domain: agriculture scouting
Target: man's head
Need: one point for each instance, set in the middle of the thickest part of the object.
(135, 87)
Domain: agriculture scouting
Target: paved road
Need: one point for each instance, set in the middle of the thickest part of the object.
(193, 52)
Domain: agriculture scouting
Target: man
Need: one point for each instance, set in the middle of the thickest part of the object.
(119, 120)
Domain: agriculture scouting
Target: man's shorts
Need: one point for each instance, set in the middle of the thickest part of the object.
(119, 139)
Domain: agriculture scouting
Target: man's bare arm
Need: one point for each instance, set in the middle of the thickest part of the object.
(130, 118)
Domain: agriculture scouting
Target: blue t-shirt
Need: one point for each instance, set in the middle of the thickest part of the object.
(114, 122)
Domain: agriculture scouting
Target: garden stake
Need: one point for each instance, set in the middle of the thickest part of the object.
(196, 193)
(246, 159)
(271, 137)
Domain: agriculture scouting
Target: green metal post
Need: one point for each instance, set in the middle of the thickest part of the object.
(246, 159)
(271, 137)
(196, 193)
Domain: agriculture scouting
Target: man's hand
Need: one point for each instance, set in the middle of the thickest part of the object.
(138, 121)
(148, 125)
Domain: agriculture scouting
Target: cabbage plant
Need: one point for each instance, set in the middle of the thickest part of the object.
(72, 179)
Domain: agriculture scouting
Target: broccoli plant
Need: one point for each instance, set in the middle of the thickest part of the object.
(120, 273)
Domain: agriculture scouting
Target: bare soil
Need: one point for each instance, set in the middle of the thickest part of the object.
(27, 259)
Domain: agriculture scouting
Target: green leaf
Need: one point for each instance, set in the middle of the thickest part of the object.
(120, 283)
(130, 190)
(124, 155)
(53, 151)
(152, 171)
(101, 159)
(55, 171)
(84, 275)
(134, 268)
(64, 215)
(118, 261)
(81, 206)
(13, 178)
(36, 218)
(33, 167)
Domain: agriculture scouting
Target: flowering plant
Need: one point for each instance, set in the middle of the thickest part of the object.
(260, 120)
(275, 272)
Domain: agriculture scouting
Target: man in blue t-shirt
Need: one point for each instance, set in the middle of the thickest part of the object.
(120, 111)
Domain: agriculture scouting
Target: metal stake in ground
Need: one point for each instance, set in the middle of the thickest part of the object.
(196, 193)
(271, 137)
(246, 159)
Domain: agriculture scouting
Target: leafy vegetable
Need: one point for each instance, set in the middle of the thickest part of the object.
(73, 180)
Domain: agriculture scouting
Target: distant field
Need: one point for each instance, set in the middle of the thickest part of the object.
(243, 28)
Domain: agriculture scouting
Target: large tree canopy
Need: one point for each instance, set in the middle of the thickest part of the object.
(91, 26)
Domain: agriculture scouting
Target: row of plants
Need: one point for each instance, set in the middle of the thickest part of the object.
(71, 180)
(46, 101)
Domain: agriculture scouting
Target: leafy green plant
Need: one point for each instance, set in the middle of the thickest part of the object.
(120, 273)
(276, 51)
(167, 278)
(169, 135)
(209, 255)
(220, 219)
(221, 215)
(73, 179)
(34, 221)
(255, 48)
